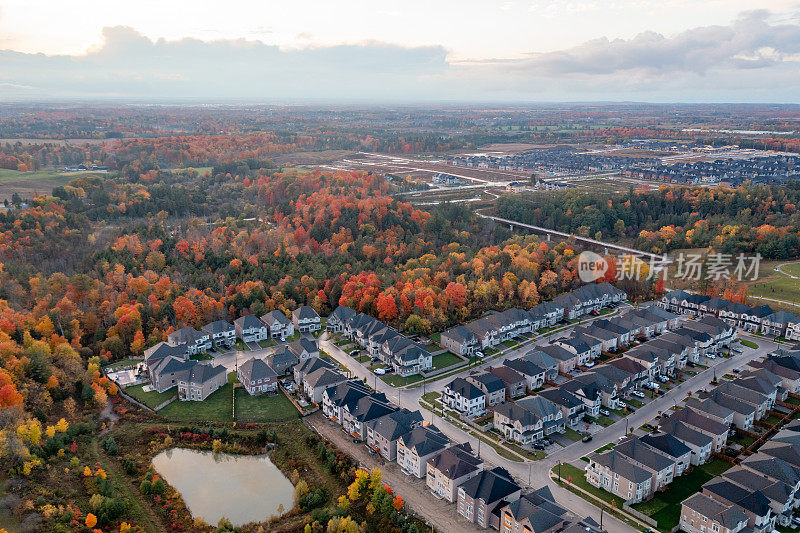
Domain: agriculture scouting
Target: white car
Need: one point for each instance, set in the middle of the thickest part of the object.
(638, 394)
(605, 412)
(590, 364)
(478, 354)
(711, 356)
(380, 371)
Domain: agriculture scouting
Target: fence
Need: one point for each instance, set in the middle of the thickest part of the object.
(641, 516)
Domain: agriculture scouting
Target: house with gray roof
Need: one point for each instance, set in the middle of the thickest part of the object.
(159, 352)
(449, 469)
(517, 423)
(515, 383)
(195, 341)
(780, 495)
(700, 443)
(464, 397)
(552, 416)
(166, 373)
(304, 348)
(790, 378)
(315, 383)
(615, 473)
(538, 512)
(282, 359)
(357, 417)
(460, 340)
(306, 319)
(545, 361)
(661, 465)
(347, 394)
(201, 380)
(571, 406)
(671, 447)
(339, 319)
(417, 446)
(567, 360)
(754, 504)
(222, 333)
(534, 374)
(310, 365)
(278, 325)
(257, 376)
(701, 513)
(479, 496)
(250, 329)
(492, 386)
(699, 422)
(384, 432)
(714, 410)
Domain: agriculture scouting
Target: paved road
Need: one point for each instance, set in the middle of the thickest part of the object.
(538, 471)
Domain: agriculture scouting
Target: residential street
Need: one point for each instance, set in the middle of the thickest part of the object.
(538, 471)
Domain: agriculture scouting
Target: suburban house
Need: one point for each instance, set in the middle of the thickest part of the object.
(660, 465)
(384, 432)
(306, 320)
(703, 514)
(416, 447)
(729, 410)
(308, 366)
(335, 398)
(222, 333)
(250, 329)
(154, 355)
(584, 347)
(701, 423)
(166, 373)
(538, 512)
(451, 468)
(459, 340)
(357, 417)
(671, 447)
(195, 341)
(571, 406)
(315, 383)
(714, 411)
(279, 326)
(257, 376)
(790, 378)
(615, 473)
(282, 359)
(406, 356)
(608, 339)
(200, 380)
(567, 360)
(781, 496)
(515, 383)
(517, 423)
(534, 374)
(588, 392)
(491, 386)
(304, 348)
(339, 319)
(754, 504)
(464, 397)
(551, 414)
(547, 314)
(479, 496)
(544, 361)
(699, 443)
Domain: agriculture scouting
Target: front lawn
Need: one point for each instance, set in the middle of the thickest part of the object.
(635, 402)
(400, 381)
(264, 408)
(201, 357)
(665, 507)
(572, 435)
(510, 343)
(749, 344)
(604, 421)
(443, 360)
(241, 346)
(578, 478)
(266, 343)
(151, 399)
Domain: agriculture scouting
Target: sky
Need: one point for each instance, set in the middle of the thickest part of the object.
(432, 50)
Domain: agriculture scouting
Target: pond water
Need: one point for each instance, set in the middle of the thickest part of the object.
(242, 488)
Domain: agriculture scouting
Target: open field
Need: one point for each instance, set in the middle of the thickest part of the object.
(28, 184)
(264, 408)
(151, 399)
(778, 285)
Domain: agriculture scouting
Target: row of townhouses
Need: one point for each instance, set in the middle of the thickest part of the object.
(485, 497)
(639, 466)
(589, 387)
(381, 341)
(762, 319)
(498, 326)
(761, 491)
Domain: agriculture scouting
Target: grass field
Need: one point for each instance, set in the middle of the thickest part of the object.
(665, 507)
(264, 408)
(216, 408)
(400, 381)
(151, 399)
(779, 286)
(27, 184)
(443, 360)
(749, 344)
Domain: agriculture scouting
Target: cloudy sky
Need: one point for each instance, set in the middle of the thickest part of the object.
(482, 50)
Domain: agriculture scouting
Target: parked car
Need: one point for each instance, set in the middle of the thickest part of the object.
(587, 438)
(736, 370)
(538, 446)
(594, 312)
(711, 356)
(590, 364)
(355, 353)
(652, 385)
(380, 371)
(638, 394)
(605, 412)
(663, 379)
(478, 354)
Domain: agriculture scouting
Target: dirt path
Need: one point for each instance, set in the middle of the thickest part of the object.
(107, 414)
(439, 513)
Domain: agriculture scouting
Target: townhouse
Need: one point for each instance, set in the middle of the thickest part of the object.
(278, 325)
(315, 383)
(416, 447)
(615, 473)
(780, 495)
(306, 319)
(727, 409)
(406, 357)
(308, 366)
(492, 386)
(197, 382)
(717, 431)
(638, 372)
(671, 447)
(196, 341)
(608, 339)
(515, 383)
(464, 397)
(451, 468)
(257, 376)
(571, 407)
(250, 329)
(567, 360)
(222, 333)
(762, 402)
(699, 443)
(547, 314)
(660, 465)
(517, 423)
(777, 324)
(701, 513)
(790, 378)
(384, 432)
(479, 496)
(544, 361)
(460, 340)
(754, 504)
(534, 374)
(584, 347)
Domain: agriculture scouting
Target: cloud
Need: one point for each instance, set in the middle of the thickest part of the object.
(752, 59)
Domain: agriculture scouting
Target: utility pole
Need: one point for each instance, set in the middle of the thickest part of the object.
(602, 510)
(530, 467)
(559, 471)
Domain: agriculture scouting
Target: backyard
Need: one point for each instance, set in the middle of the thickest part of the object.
(665, 507)
(151, 399)
(443, 360)
(263, 408)
(216, 408)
